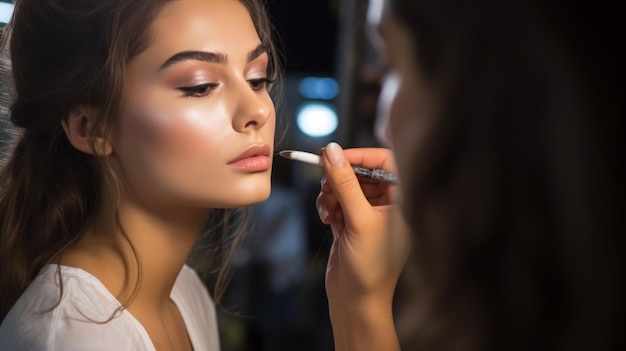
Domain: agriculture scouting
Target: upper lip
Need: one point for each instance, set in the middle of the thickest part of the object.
(253, 150)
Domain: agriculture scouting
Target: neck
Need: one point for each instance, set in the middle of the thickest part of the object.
(159, 242)
(162, 240)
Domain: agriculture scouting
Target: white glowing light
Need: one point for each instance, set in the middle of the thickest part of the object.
(6, 11)
(317, 120)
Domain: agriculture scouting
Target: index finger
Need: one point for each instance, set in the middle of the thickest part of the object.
(343, 183)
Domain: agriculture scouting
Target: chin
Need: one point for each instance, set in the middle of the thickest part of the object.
(256, 197)
(243, 203)
(262, 196)
(248, 195)
(258, 201)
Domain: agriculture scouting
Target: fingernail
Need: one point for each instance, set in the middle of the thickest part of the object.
(335, 154)
(323, 212)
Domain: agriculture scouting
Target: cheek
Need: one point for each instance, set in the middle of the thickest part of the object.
(172, 133)
(168, 148)
(395, 108)
(402, 112)
(178, 153)
(407, 122)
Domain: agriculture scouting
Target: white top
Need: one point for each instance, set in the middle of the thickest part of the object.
(33, 325)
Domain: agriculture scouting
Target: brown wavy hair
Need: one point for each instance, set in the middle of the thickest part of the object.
(66, 53)
(514, 198)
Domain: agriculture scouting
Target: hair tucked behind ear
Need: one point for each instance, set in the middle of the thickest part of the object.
(64, 53)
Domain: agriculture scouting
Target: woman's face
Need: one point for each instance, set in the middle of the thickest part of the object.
(197, 124)
(406, 104)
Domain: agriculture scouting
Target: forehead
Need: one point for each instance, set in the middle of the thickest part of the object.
(202, 23)
(217, 26)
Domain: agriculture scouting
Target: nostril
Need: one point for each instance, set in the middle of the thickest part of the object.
(251, 124)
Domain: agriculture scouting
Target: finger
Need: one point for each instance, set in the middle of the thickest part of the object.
(344, 183)
(372, 191)
(327, 205)
(324, 185)
(370, 187)
(338, 225)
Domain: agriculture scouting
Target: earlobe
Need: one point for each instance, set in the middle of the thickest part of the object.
(78, 129)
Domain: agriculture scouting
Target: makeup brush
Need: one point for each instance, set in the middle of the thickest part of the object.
(313, 159)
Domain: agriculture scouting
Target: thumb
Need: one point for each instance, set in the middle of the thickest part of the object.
(344, 183)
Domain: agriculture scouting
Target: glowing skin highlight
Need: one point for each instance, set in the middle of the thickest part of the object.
(194, 103)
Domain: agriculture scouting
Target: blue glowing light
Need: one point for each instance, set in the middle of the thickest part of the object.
(319, 88)
(317, 119)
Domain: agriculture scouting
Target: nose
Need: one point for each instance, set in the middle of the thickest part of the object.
(382, 128)
(253, 110)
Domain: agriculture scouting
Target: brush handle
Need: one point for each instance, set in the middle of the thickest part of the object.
(376, 174)
(313, 159)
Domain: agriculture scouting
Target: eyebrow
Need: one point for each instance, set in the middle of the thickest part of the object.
(212, 57)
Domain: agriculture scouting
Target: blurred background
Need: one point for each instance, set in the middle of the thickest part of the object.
(276, 300)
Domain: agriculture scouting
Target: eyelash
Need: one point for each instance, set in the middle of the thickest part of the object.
(205, 89)
(198, 90)
(260, 83)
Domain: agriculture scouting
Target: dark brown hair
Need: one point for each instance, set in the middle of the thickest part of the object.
(67, 53)
(513, 199)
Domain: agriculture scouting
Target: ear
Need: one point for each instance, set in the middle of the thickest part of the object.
(78, 127)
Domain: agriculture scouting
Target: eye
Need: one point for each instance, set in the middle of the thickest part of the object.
(260, 83)
(199, 90)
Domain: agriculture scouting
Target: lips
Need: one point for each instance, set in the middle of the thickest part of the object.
(255, 158)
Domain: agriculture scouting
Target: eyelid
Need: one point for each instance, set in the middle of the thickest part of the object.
(198, 90)
(258, 73)
(257, 70)
(265, 80)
